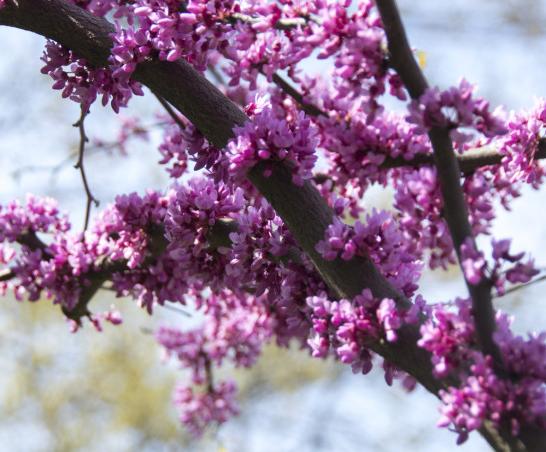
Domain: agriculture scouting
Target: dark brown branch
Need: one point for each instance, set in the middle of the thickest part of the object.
(455, 208)
(31, 240)
(401, 56)
(449, 174)
(80, 165)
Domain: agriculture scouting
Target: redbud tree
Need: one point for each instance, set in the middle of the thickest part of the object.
(264, 229)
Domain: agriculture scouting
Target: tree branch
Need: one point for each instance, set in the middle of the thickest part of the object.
(215, 116)
(173, 114)
(469, 162)
(449, 174)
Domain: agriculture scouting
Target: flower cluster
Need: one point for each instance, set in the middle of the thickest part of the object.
(520, 147)
(419, 210)
(381, 240)
(82, 83)
(360, 149)
(455, 108)
(265, 259)
(268, 139)
(201, 410)
(486, 396)
(169, 32)
(475, 265)
(347, 327)
(234, 328)
(256, 37)
(449, 335)
(182, 145)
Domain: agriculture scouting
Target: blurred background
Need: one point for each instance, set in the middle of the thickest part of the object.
(112, 390)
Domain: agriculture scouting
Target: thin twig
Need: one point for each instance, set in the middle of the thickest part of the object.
(308, 108)
(216, 75)
(80, 165)
(208, 372)
(176, 309)
(449, 175)
(146, 330)
(170, 110)
(281, 24)
(523, 286)
(100, 146)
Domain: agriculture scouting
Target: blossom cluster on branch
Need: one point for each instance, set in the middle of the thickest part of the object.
(213, 242)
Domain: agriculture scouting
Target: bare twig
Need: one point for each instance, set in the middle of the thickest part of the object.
(176, 309)
(98, 146)
(523, 286)
(80, 165)
(216, 75)
(170, 110)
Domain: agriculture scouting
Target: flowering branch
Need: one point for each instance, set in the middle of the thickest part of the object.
(302, 208)
(215, 116)
(469, 162)
(449, 171)
(287, 88)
